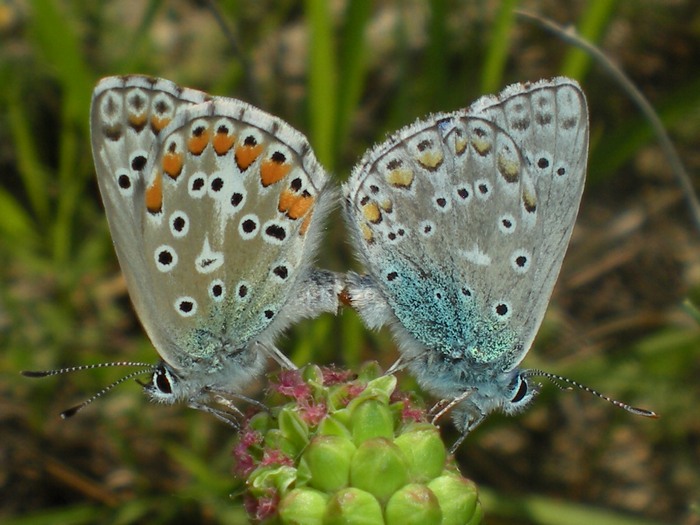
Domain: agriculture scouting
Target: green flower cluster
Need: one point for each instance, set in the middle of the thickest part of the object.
(338, 450)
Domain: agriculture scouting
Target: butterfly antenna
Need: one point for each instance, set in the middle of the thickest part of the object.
(74, 410)
(558, 380)
(79, 368)
(77, 408)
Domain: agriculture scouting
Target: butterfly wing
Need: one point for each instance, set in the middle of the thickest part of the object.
(462, 222)
(233, 206)
(215, 226)
(127, 116)
(548, 120)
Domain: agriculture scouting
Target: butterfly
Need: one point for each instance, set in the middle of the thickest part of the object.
(462, 221)
(215, 210)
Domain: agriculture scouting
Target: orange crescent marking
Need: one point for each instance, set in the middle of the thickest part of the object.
(305, 225)
(294, 206)
(197, 143)
(154, 194)
(246, 155)
(371, 212)
(172, 164)
(286, 201)
(367, 232)
(271, 172)
(460, 145)
(300, 207)
(138, 122)
(400, 177)
(223, 143)
(157, 123)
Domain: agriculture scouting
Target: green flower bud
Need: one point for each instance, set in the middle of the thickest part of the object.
(353, 506)
(371, 418)
(303, 507)
(333, 425)
(275, 440)
(424, 450)
(378, 467)
(293, 428)
(458, 499)
(325, 463)
(312, 375)
(413, 504)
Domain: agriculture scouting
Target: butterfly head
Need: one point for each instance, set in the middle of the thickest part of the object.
(519, 393)
(165, 386)
(511, 393)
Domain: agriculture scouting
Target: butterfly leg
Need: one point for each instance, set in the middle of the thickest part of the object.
(226, 417)
(443, 406)
(276, 354)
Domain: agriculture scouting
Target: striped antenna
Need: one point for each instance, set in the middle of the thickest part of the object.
(557, 380)
(77, 408)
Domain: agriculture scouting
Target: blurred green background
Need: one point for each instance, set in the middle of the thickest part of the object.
(346, 73)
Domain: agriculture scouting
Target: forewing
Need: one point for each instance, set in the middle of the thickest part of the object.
(232, 209)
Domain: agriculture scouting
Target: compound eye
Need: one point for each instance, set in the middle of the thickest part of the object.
(521, 393)
(163, 383)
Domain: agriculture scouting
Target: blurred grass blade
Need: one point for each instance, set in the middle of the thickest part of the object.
(692, 310)
(548, 511)
(75, 515)
(35, 177)
(621, 144)
(16, 228)
(497, 52)
(322, 93)
(435, 80)
(591, 25)
(57, 41)
(353, 64)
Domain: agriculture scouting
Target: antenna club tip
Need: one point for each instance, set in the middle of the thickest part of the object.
(33, 373)
(643, 412)
(70, 412)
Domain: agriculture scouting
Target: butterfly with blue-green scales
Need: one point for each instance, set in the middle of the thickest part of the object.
(461, 221)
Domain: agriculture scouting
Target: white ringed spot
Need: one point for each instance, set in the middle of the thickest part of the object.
(185, 306)
(197, 185)
(179, 224)
(501, 311)
(248, 226)
(243, 289)
(482, 189)
(125, 183)
(217, 290)
(442, 203)
(506, 223)
(165, 258)
(274, 232)
(280, 271)
(138, 160)
(520, 261)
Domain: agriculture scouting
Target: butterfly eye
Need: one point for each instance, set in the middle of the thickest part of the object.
(522, 391)
(162, 382)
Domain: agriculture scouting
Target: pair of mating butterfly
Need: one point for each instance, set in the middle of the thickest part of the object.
(461, 221)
